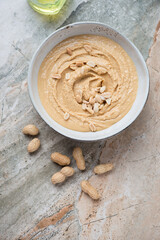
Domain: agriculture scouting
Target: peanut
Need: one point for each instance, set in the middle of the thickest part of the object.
(79, 64)
(86, 95)
(101, 70)
(92, 127)
(102, 89)
(56, 76)
(106, 94)
(30, 130)
(67, 171)
(33, 145)
(98, 98)
(73, 66)
(58, 178)
(103, 168)
(96, 107)
(108, 101)
(91, 64)
(78, 156)
(91, 100)
(89, 109)
(69, 51)
(88, 48)
(78, 98)
(60, 159)
(66, 116)
(84, 106)
(90, 190)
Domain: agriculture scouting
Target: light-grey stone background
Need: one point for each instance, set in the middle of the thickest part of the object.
(27, 198)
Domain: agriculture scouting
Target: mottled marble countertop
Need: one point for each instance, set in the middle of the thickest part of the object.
(30, 206)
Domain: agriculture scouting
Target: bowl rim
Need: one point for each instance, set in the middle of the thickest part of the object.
(69, 132)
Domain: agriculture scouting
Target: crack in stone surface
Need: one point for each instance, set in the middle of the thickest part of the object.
(113, 215)
(20, 51)
(156, 70)
(100, 219)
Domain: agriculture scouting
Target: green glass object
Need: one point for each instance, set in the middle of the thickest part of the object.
(47, 7)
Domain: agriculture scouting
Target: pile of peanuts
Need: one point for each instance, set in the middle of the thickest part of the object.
(64, 161)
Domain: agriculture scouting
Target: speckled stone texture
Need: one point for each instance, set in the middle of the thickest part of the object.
(136, 19)
(130, 204)
(30, 206)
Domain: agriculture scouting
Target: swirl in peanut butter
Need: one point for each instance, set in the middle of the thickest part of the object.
(87, 83)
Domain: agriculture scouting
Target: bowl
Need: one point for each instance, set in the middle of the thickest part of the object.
(95, 29)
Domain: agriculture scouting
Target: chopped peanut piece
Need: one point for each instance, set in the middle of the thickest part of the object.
(69, 51)
(66, 116)
(56, 76)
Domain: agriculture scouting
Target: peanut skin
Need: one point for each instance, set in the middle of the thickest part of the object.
(58, 178)
(103, 168)
(90, 190)
(33, 145)
(78, 156)
(67, 171)
(30, 130)
(60, 159)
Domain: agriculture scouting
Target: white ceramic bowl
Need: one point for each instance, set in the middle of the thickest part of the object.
(96, 29)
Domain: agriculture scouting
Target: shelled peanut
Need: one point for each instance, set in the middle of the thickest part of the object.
(103, 168)
(90, 190)
(60, 159)
(78, 156)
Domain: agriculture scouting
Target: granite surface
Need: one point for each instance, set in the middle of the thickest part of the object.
(30, 206)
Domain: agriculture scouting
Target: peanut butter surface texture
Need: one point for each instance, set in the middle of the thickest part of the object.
(87, 83)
